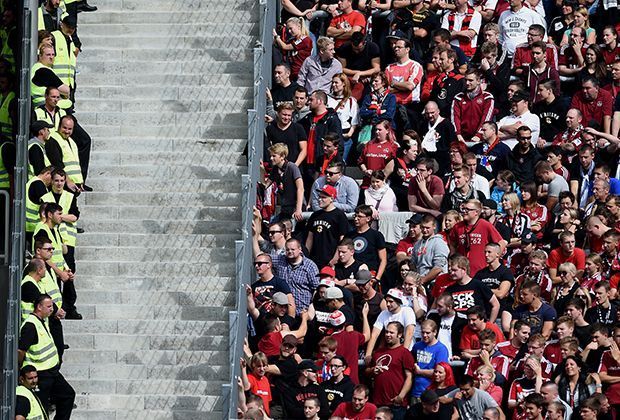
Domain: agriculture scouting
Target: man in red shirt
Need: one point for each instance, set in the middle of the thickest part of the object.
(471, 236)
(476, 322)
(488, 355)
(609, 369)
(470, 109)
(344, 24)
(404, 248)
(594, 103)
(567, 252)
(426, 191)
(405, 75)
(359, 408)
(511, 348)
(523, 52)
(392, 369)
(565, 327)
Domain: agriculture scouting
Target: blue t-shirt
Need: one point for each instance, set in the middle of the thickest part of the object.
(427, 357)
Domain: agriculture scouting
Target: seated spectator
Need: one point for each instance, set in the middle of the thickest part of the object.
(404, 167)
(492, 153)
(536, 270)
(437, 136)
(528, 384)
(517, 344)
(379, 104)
(514, 24)
(404, 76)
(552, 112)
(464, 24)
(471, 402)
(426, 191)
(450, 322)
(595, 65)
(471, 108)
(536, 347)
(614, 84)
(567, 252)
(430, 408)
(540, 70)
(361, 61)
(576, 309)
(582, 20)
(379, 196)
(378, 154)
(476, 322)
(574, 383)
(358, 408)
(605, 311)
(345, 105)
(556, 184)
(283, 89)
(559, 24)
(430, 253)
(449, 82)
(302, 388)
(519, 115)
(523, 57)
(347, 190)
(594, 103)
(485, 380)
(286, 176)
(345, 23)
(317, 70)
(489, 356)
(496, 71)
(538, 314)
(284, 130)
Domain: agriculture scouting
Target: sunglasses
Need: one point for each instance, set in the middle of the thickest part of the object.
(258, 263)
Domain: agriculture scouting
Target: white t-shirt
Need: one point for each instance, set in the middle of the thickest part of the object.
(529, 119)
(445, 332)
(405, 316)
(513, 27)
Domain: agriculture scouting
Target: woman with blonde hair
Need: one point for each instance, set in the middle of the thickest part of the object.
(485, 380)
(345, 105)
(566, 289)
(295, 48)
(581, 20)
(518, 222)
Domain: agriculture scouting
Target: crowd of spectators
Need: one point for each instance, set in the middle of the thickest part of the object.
(437, 233)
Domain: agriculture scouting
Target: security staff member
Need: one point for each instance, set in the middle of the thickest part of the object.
(63, 153)
(36, 188)
(28, 406)
(32, 286)
(36, 348)
(37, 159)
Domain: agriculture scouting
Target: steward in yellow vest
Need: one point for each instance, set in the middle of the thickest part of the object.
(70, 215)
(28, 406)
(32, 286)
(36, 188)
(7, 163)
(65, 61)
(8, 109)
(50, 112)
(36, 348)
(37, 158)
(63, 153)
(42, 75)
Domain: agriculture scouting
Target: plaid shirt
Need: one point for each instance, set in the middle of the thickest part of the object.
(302, 279)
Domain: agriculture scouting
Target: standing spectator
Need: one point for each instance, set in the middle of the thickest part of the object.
(522, 59)
(326, 228)
(464, 25)
(426, 191)
(396, 311)
(345, 105)
(379, 104)
(304, 387)
(469, 237)
(379, 196)
(429, 408)
(514, 24)
(317, 71)
(367, 295)
(523, 158)
(491, 153)
(430, 253)
(296, 48)
(300, 272)
(448, 82)
(556, 184)
(551, 110)
(595, 104)
(284, 130)
(347, 268)
(339, 388)
(519, 115)
(450, 323)
(437, 136)
(264, 289)
(288, 180)
(471, 108)
(427, 354)
(283, 89)
(369, 243)
(540, 70)
(404, 167)
(463, 190)
(392, 369)
(346, 23)
(468, 292)
(405, 75)
(361, 61)
(350, 341)
(378, 154)
(567, 252)
(256, 382)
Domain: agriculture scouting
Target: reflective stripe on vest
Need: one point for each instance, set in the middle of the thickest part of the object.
(6, 123)
(7, 51)
(37, 412)
(57, 257)
(32, 209)
(65, 60)
(4, 174)
(50, 284)
(42, 355)
(37, 93)
(68, 231)
(28, 307)
(34, 142)
(70, 158)
(43, 114)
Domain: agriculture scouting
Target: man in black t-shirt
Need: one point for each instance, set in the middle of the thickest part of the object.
(369, 244)
(326, 228)
(292, 134)
(360, 61)
(496, 275)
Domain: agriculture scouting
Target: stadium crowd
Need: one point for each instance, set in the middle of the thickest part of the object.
(58, 156)
(437, 233)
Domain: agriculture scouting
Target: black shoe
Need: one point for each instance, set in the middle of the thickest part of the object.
(80, 230)
(66, 347)
(73, 315)
(87, 188)
(83, 6)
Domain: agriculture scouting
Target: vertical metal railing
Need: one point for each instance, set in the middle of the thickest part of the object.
(243, 247)
(17, 242)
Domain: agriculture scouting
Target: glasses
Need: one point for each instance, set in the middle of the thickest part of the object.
(328, 173)
(525, 138)
(48, 249)
(259, 263)
(466, 210)
(562, 273)
(335, 366)
(273, 232)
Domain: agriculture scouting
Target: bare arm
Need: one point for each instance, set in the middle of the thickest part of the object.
(408, 336)
(382, 263)
(291, 305)
(309, 241)
(494, 308)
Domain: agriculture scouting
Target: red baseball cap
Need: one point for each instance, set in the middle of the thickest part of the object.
(330, 191)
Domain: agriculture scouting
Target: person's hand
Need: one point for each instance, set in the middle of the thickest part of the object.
(375, 214)
(421, 184)
(268, 94)
(615, 351)
(416, 369)
(592, 131)
(298, 216)
(268, 119)
(484, 356)
(304, 314)
(475, 139)
(458, 395)
(397, 400)
(64, 276)
(592, 346)
(242, 363)
(356, 77)
(596, 378)
(541, 143)
(248, 290)
(60, 313)
(72, 185)
(365, 309)
(484, 384)
(368, 172)
(535, 366)
(484, 64)
(368, 359)
(275, 35)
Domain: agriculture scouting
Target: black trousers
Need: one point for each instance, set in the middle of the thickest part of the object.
(54, 389)
(57, 335)
(83, 142)
(69, 295)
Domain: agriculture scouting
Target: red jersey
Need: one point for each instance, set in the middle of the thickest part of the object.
(469, 113)
(345, 21)
(469, 337)
(442, 282)
(410, 71)
(507, 349)
(557, 257)
(612, 88)
(390, 381)
(596, 109)
(611, 56)
(537, 214)
(406, 245)
(612, 368)
(542, 279)
(270, 343)
(345, 411)
(499, 362)
(434, 186)
(376, 155)
(546, 367)
(553, 352)
(569, 136)
(262, 388)
(523, 56)
(302, 48)
(471, 240)
(348, 344)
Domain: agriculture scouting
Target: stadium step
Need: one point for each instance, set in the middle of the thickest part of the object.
(163, 89)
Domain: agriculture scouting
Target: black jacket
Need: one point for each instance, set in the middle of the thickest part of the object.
(330, 123)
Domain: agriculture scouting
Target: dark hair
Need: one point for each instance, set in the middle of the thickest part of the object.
(465, 380)
(364, 209)
(26, 369)
(538, 28)
(52, 208)
(535, 399)
(478, 311)
(378, 175)
(40, 299)
(577, 304)
(443, 33)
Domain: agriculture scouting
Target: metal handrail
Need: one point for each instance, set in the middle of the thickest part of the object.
(243, 247)
(4, 257)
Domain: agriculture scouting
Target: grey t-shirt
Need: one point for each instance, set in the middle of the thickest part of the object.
(430, 253)
(554, 189)
(473, 408)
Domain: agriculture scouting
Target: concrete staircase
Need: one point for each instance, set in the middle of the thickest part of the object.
(163, 88)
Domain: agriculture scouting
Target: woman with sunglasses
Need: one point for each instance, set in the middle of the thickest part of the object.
(567, 288)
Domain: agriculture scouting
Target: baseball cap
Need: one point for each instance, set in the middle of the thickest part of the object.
(429, 397)
(416, 219)
(363, 277)
(307, 364)
(337, 318)
(327, 271)
(327, 282)
(396, 294)
(333, 293)
(38, 125)
(397, 34)
(529, 238)
(492, 204)
(279, 298)
(290, 340)
(329, 190)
